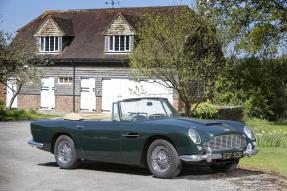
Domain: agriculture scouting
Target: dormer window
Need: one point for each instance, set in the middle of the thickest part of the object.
(119, 43)
(119, 36)
(53, 35)
(50, 44)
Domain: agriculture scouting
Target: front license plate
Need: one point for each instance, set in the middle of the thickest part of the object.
(232, 155)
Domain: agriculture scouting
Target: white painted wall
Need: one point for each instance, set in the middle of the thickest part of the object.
(9, 93)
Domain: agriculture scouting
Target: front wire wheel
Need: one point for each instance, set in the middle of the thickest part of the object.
(163, 160)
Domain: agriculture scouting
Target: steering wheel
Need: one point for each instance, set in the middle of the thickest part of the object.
(133, 116)
(156, 115)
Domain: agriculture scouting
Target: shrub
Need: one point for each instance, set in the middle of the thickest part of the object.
(205, 110)
(33, 111)
(259, 86)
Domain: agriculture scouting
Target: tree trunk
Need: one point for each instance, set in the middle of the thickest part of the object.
(15, 94)
(187, 108)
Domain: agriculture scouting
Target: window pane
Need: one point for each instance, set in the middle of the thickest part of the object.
(56, 43)
(46, 43)
(122, 44)
(51, 43)
(117, 41)
(111, 47)
(42, 43)
(127, 42)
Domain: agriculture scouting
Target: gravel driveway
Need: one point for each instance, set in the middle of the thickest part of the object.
(26, 168)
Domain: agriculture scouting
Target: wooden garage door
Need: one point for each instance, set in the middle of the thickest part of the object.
(118, 89)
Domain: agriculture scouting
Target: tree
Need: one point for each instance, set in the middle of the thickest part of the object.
(251, 26)
(18, 63)
(180, 50)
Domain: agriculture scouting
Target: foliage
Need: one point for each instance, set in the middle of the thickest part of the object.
(180, 50)
(253, 26)
(18, 63)
(205, 110)
(257, 85)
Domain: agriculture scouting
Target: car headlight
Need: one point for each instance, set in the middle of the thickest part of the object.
(194, 136)
(249, 132)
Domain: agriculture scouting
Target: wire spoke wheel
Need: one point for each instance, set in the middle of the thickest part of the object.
(161, 159)
(64, 151)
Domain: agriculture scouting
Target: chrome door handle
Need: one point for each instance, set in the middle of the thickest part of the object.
(131, 135)
(80, 127)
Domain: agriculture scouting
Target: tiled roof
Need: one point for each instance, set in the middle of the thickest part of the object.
(87, 26)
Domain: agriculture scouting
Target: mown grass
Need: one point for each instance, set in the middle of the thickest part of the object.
(272, 159)
(272, 146)
(19, 115)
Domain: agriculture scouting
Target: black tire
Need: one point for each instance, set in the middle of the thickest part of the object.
(65, 153)
(168, 153)
(228, 167)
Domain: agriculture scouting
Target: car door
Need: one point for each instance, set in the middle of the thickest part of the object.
(99, 140)
(133, 137)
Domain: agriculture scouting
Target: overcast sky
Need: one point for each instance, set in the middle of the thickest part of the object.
(16, 13)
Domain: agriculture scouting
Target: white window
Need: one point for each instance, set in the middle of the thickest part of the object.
(65, 80)
(50, 44)
(119, 43)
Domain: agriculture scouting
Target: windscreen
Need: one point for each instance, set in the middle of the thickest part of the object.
(145, 109)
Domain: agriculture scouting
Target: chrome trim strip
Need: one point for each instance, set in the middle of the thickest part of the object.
(35, 144)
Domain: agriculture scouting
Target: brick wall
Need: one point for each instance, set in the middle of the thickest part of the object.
(65, 103)
(26, 101)
(99, 104)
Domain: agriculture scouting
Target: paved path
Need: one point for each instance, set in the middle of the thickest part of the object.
(28, 169)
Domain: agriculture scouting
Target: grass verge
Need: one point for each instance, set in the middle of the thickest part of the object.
(270, 159)
(272, 146)
(19, 115)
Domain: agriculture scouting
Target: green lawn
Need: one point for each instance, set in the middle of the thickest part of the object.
(17, 115)
(269, 157)
(272, 159)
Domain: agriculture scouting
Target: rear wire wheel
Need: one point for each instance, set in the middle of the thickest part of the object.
(65, 153)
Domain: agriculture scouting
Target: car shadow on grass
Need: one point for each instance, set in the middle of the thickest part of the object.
(188, 172)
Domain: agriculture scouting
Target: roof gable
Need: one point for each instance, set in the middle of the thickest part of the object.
(119, 26)
(49, 28)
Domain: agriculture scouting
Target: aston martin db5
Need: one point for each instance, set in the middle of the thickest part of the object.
(147, 132)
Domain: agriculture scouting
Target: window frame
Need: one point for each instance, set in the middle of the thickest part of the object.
(69, 79)
(112, 40)
(42, 44)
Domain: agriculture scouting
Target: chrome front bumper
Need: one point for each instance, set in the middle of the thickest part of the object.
(209, 156)
(35, 144)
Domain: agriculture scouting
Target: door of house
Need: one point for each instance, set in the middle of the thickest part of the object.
(48, 93)
(88, 96)
(9, 93)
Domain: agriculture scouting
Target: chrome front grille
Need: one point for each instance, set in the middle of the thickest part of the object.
(232, 141)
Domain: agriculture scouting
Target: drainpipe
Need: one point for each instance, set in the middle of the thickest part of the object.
(74, 85)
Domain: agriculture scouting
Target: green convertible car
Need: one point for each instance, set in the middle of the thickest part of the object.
(146, 132)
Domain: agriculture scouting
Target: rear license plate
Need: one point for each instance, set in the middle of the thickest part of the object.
(231, 155)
